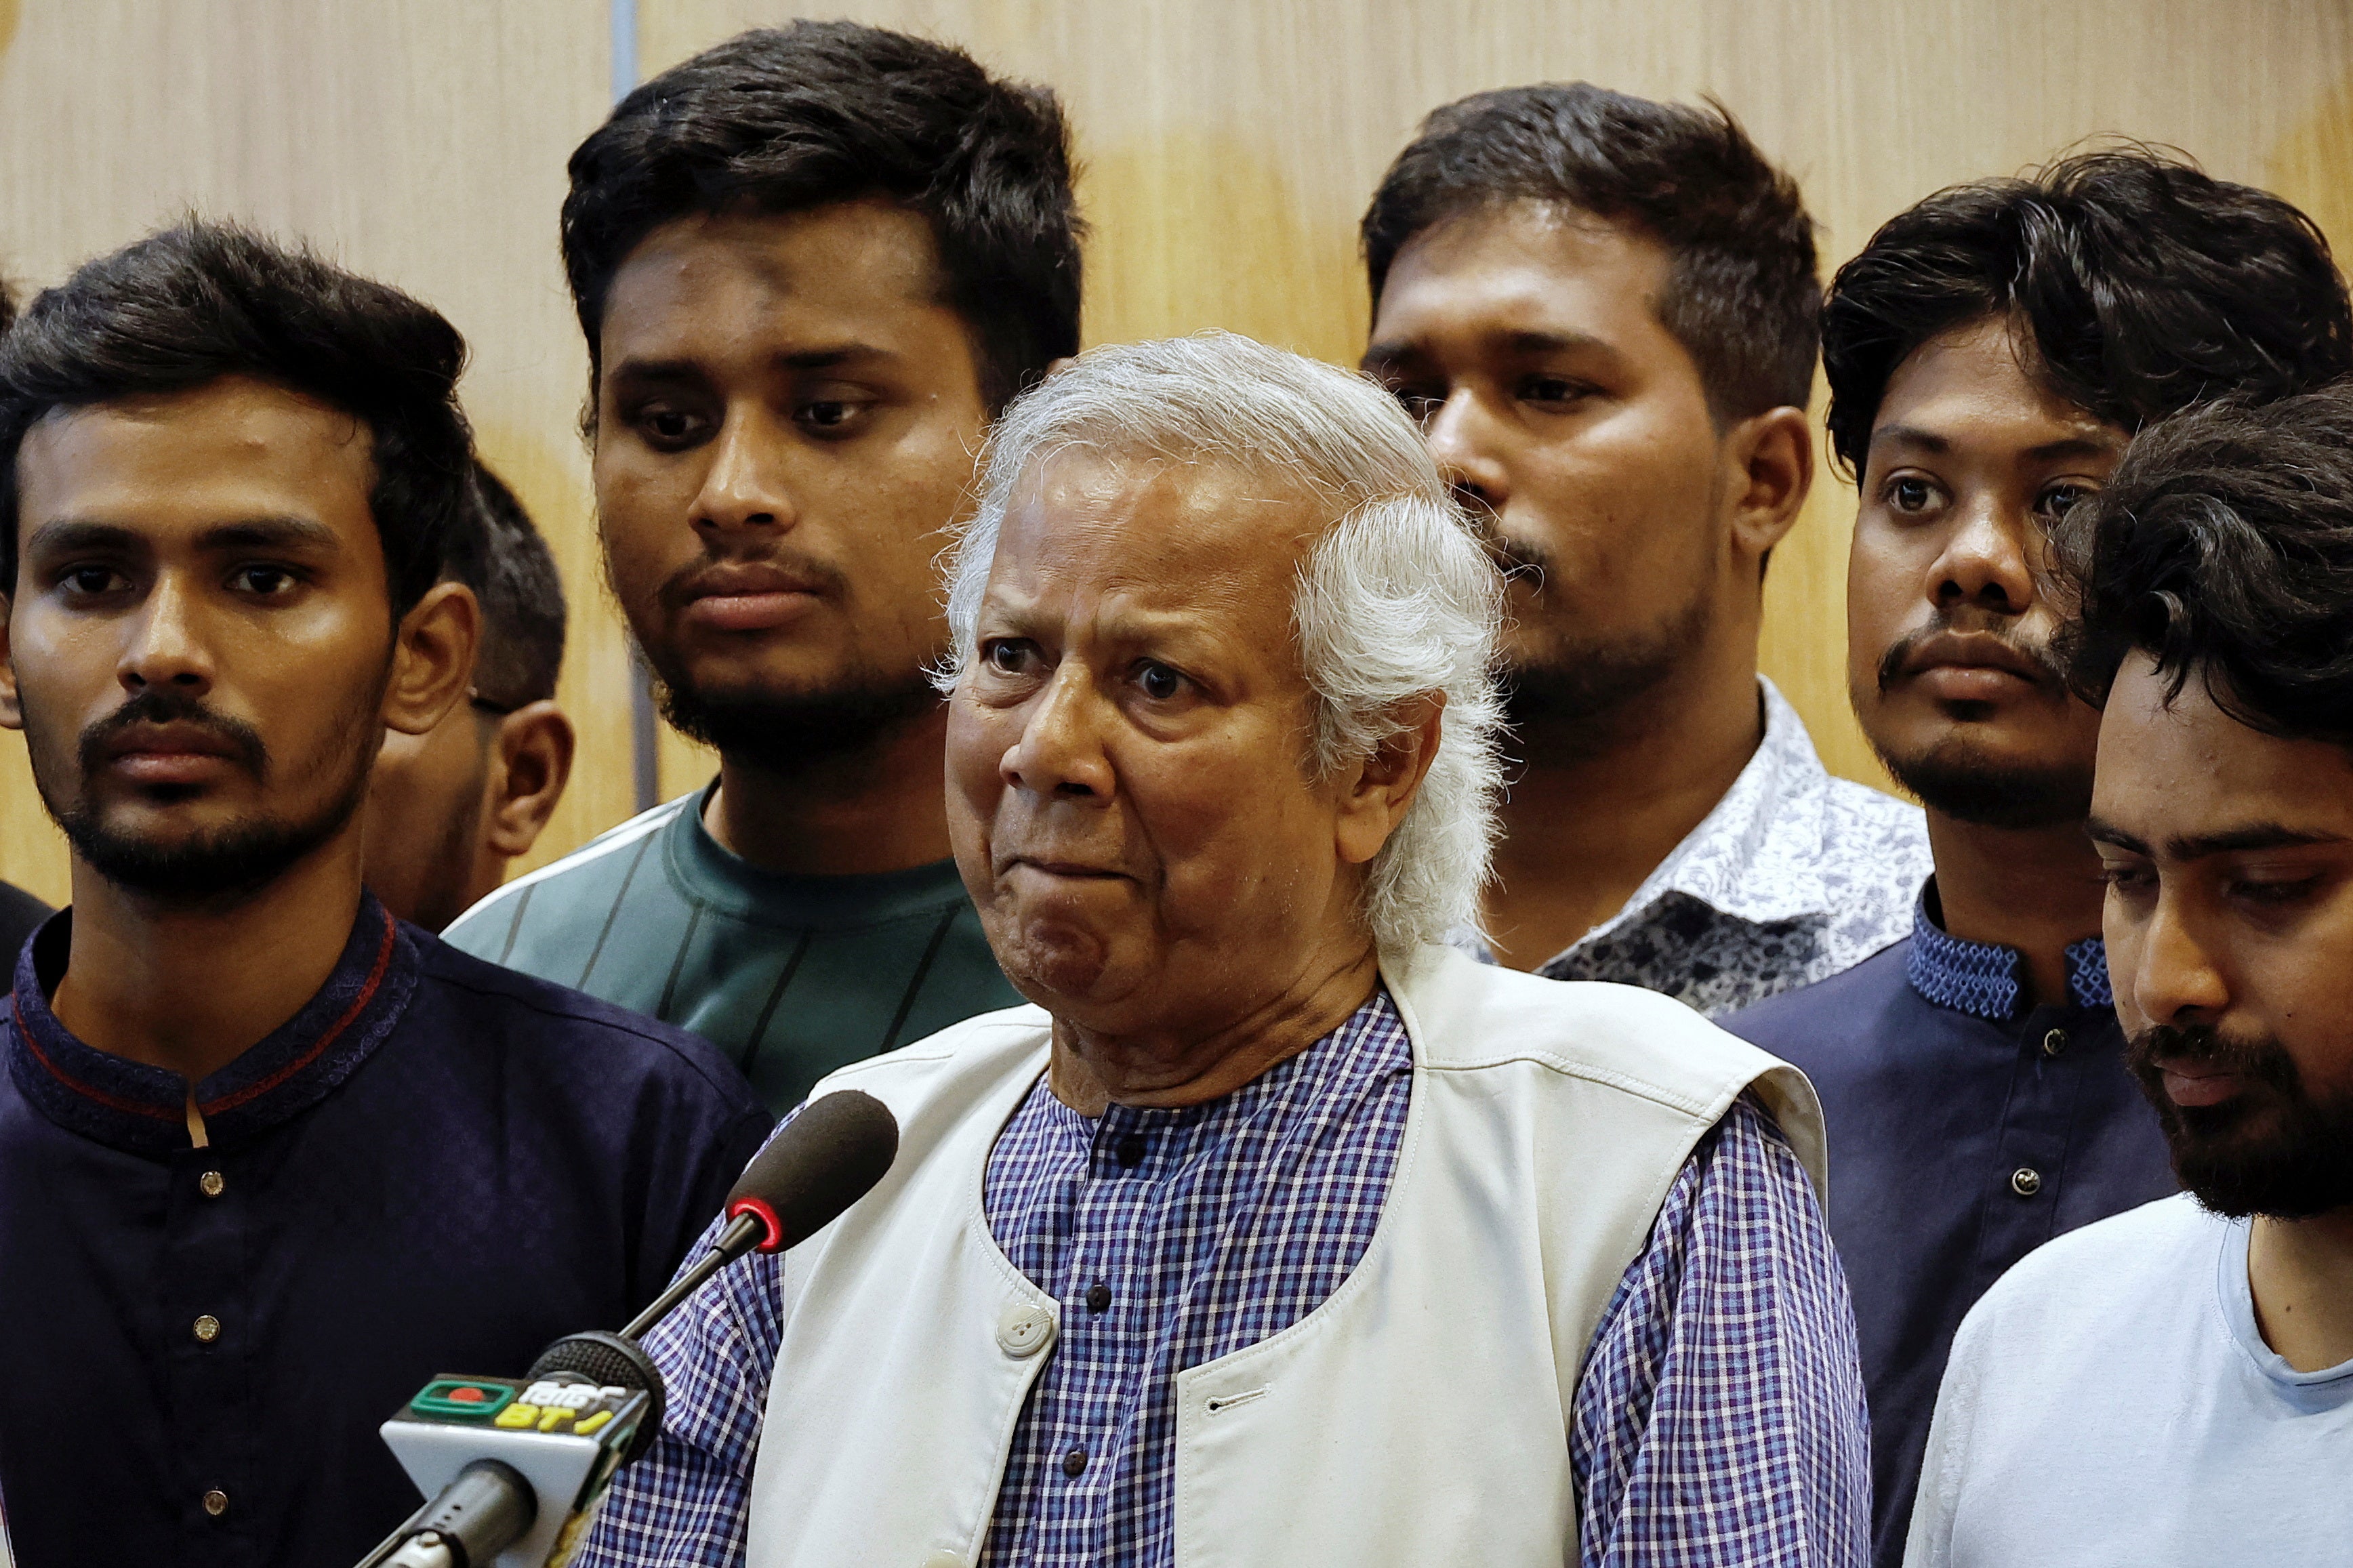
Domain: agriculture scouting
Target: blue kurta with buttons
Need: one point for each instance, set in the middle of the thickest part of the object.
(1965, 1131)
(436, 1165)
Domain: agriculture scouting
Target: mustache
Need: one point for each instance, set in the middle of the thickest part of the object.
(1510, 556)
(168, 705)
(1892, 662)
(2201, 1044)
(676, 588)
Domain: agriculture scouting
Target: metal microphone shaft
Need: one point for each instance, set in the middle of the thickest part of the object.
(737, 1239)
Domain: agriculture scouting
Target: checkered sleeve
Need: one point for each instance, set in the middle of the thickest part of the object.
(683, 1504)
(1719, 1420)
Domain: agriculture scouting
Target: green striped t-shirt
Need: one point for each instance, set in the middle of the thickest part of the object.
(791, 976)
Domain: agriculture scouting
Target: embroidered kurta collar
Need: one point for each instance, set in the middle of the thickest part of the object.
(1981, 978)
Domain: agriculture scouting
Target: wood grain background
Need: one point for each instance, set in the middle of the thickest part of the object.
(1229, 145)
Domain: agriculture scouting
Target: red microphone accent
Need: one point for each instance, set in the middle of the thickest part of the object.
(775, 1228)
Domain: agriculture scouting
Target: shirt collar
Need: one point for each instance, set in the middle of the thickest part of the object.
(1757, 856)
(1982, 979)
(134, 1106)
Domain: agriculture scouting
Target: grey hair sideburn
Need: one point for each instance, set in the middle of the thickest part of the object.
(1396, 601)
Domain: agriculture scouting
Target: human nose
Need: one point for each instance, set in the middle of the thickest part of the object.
(1059, 754)
(2175, 978)
(1984, 563)
(1461, 446)
(744, 487)
(166, 648)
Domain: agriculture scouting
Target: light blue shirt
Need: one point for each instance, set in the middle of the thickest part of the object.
(2110, 1402)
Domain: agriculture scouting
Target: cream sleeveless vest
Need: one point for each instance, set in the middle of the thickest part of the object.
(1417, 1417)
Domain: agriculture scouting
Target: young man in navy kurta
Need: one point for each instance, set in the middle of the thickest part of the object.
(269, 1159)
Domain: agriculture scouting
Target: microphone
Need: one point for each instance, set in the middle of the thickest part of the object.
(515, 1468)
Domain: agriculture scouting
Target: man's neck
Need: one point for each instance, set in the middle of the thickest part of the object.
(192, 989)
(884, 808)
(1591, 814)
(2300, 1273)
(2036, 890)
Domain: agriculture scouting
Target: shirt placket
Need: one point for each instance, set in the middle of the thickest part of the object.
(2022, 1207)
(209, 1336)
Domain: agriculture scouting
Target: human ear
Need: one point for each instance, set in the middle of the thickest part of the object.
(1773, 468)
(11, 712)
(1377, 793)
(432, 659)
(531, 763)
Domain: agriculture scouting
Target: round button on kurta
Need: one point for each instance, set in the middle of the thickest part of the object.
(216, 1502)
(210, 1184)
(2054, 1041)
(1023, 1330)
(207, 1328)
(2026, 1180)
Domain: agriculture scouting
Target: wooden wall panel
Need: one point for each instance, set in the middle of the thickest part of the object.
(420, 141)
(1230, 145)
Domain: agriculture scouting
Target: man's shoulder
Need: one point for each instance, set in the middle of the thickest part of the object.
(593, 1038)
(570, 899)
(2085, 1285)
(1849, 1006)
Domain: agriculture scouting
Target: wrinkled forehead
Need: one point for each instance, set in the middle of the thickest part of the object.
(1151, 530)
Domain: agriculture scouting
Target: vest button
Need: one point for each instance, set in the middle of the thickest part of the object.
(1023, 1330)
(2026, 1180)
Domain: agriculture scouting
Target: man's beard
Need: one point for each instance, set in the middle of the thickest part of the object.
(2298, 1167)
(1957, 778)
(790, 732)
(222, 867)
(1573, 702)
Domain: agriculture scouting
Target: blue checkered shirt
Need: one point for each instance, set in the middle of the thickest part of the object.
(1718, 1419)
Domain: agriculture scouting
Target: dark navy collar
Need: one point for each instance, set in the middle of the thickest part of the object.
(1982, 979)
(143, 1109)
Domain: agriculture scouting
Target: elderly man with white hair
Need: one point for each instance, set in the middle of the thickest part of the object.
(1277, 1231)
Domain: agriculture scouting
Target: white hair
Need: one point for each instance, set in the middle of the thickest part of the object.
(1396, 601)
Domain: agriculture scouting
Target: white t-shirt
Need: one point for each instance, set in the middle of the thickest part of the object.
(2110, 1402)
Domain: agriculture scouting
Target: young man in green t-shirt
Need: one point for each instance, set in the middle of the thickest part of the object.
(812, 264)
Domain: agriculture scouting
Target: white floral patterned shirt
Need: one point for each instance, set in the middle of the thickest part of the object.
(1792, 877)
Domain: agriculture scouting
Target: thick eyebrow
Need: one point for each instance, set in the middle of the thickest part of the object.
(2229, 841)
(276, 532)
(2049, 452)
(1388, 356)
(830, 357)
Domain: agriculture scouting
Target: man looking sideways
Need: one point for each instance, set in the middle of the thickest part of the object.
(1602, 311)
(811, 264)
(1278, 1232)
(269, 1158)
(448, 809)
(2174, 1385)
(1990, 352)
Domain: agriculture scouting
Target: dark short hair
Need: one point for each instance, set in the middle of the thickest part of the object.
(2223, 546)
(502, 557)
(785, 120)
(1741, 296)
(201, 301)
(2144, 285)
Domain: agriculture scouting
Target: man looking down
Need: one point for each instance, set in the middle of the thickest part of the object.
(270, 1158)
(448, 809)
(2174, 1385)
(1277, 1231)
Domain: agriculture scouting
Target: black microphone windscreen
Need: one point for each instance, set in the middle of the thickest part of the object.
(828, 1157)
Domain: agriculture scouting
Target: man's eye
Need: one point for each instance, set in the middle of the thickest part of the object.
(830, 416)
(1911, 495)
(666, 427)
(1159, 683)
(2053, 502)
(2276, 894)
(1553, 389)
(2127, 878)
(265, 582)
(1008, 656)
(91, 581)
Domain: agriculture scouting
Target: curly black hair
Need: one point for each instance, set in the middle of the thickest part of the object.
(200, 300)
(785, 120)
(1742, 295)
(2142, 286)
(2222, 548)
